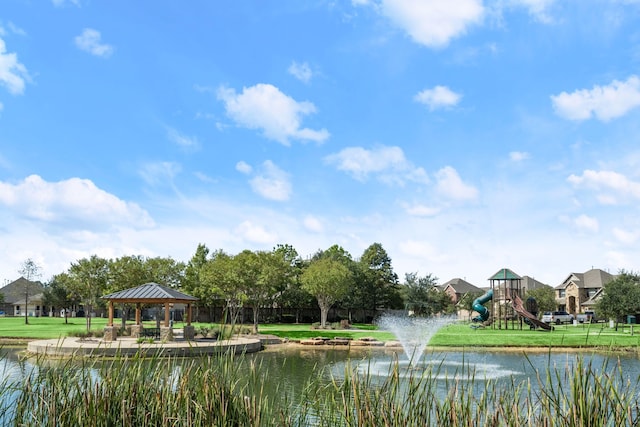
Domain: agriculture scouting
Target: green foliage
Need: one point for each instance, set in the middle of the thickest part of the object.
(545, 298)
(328, 280)
(423, 298)
(621, 297)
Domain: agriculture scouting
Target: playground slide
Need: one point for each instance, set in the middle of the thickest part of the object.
(481, 309)
(517, 306)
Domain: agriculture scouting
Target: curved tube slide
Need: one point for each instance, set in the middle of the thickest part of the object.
(481, 309)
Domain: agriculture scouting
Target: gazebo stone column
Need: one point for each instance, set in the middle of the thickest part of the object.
(136, 331)
(166, 333)
(110, 333)
(189, 332)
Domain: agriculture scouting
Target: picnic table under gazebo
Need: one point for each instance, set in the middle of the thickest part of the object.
(150, 293)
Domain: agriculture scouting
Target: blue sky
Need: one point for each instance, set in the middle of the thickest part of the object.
(464, 136)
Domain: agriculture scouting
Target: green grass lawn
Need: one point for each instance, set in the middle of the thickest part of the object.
(456, 335)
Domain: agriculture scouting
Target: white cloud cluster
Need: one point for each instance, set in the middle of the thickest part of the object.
(156, 173)
(272, 183)
(301, 71)
(12, 73)
(450, 185)
(613, 187)
(433, 23)
(602, 102)
(265, 107)
(438, 97)
(518, 156)
(389, 163)
(91, 41)
(70, 200)
(539, 9)
(255, 233)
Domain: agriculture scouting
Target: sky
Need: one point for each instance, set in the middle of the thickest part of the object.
(464, 136)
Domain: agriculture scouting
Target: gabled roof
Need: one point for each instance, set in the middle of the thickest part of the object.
(18, 289)
(460, 286)
(505, 274)
(594, 278)
(150, 292)
(531, 283)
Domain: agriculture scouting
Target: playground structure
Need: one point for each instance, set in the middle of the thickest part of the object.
(507, 306)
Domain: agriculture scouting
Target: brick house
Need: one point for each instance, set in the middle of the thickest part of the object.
(579, 290)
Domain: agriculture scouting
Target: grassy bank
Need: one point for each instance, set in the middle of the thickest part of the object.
(456, 335)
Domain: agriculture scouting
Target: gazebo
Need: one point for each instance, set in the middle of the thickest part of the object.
(150, 293)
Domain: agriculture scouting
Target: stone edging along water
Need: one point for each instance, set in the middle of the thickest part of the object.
(70, 347)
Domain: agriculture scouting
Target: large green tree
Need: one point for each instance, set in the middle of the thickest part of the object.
(328, 279)
(377, 287)
(422, 297)
(87, 280)
(621, 297)
(56, 295)
(219, 275)
(194, 284)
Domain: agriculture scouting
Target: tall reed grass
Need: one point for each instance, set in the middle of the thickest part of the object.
(228, 390)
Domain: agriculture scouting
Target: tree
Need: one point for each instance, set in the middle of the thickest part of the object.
(87, 279)
(56, 295)
(377, 286)
(328, 280)
(545, 298)
(218, 277)
(29, 270)
(247, 269)
(621, 297)
(423, 298)
(192, 281)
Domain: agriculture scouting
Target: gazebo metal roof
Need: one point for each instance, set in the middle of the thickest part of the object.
(505, 274)
(150, 293)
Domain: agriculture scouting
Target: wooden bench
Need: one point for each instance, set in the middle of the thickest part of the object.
(151, 333)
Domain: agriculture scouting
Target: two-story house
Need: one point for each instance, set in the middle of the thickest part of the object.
(580, 288)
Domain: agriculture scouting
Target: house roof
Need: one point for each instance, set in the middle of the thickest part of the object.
(531, 283)
(150, 293)
(594, 278)
(505, 274)
(19, 289)
(460, 286)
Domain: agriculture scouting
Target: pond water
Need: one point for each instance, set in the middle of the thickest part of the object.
(288, 368)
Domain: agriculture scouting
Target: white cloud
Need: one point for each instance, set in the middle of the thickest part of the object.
(602, 102)
(159, 172)
(586, 223)
(265, 107)
(313, 224)
(90, 41)
(181, 139)
(539, 9)
(244, 167)
(12, 73)
(450, 185)
(272, 182)
(628, 237)
(438, 97)
(421, 210)
(613, 187)
(60, 3)
(15, 29)
(433, 23)
(301, 71)
(518, 156)
(255, 233)
(70, 200)
(388, 162)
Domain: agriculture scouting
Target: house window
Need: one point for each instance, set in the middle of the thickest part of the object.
(591, 292)
(561, 293)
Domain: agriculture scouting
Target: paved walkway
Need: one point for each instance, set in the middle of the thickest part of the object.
(71, 346)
